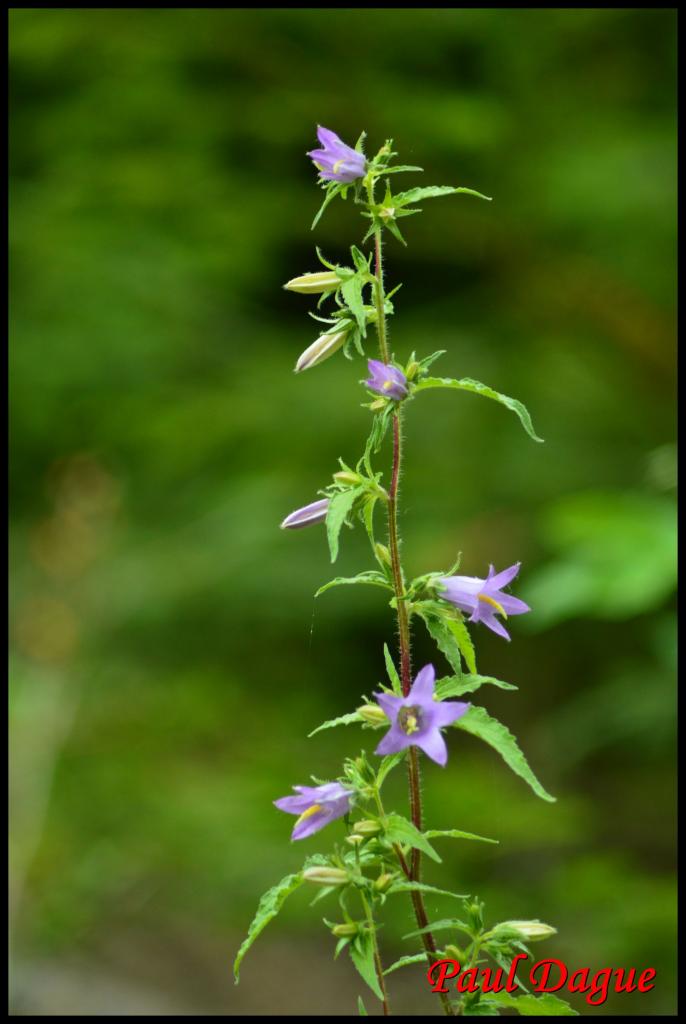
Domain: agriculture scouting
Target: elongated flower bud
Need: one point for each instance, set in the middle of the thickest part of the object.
(530, 930)
(325, 876)
(307, 515)
(383, 881)
(321, 349)
(372, 714)
(382, 553)
(367, 827)
(314, 284)
(344, 930)
(345, 477)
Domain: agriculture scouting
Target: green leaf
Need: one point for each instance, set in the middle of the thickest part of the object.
(464, 641)
(456, 833)
(362, 955)
(457, 686)
(361, 1008)
(467, 384)
(392, 671)
(415, 195)
(400, 168)
(479, 723)
(399, 830)
(388, 763)
(339, 506)
(402, 886)
(331, 194)
(332, 723)
(447, 924)
(352, 296)
(405, 961)
(444, 637)
(546, 1005)
(369, 576)
(269, 906)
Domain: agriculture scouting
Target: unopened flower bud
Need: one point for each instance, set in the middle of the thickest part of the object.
(367, 827)
(313, 284)
(322, 348)
(343, 476)
(344, 930)
(412, 370)
(372, 714)
(325, 876)
(387, 212)
(382, 553)
(532, 931)
(307, 515)
(354, 840)
(377, 404)
(383, 881)
(453, 953)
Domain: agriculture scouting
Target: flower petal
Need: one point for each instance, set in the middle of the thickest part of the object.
(389, 704)
(502, 579)
(423, 686)
(448, 711)
(433, 745)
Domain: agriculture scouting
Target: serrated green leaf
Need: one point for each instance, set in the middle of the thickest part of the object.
(446, 924)
(331, 194)
(545, 1005)
(370, 577)
(351, 291)
(416, 195)
(464, 641)
(401, 168)
(392, 671)
(348, 719)
(457, 686)
(362, 955)
(339, 507)
(388, 763)
(405, 961)
(475, 387)
(269, 906)
(402, 886)
(456, 833)
(479, 723)
(399, 830)
(444, 637)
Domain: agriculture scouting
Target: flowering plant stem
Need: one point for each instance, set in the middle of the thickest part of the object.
(381, 855)
(413, 872)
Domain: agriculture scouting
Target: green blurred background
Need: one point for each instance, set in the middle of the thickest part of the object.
(168, 655)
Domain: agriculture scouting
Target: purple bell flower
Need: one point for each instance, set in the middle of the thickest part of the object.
(386, 380)
(336, 161)
(307, 515)
(484, 599)
(417, 720)
(316, 807)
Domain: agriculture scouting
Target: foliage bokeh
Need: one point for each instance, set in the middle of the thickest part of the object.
(168, 656)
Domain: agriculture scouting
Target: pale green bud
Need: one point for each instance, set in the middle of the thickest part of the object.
(325, 876)
(345, 477)
(321, 349)
(383, 881)
(367, 827)
(354, 840)
(453, 952)
(382, 553)
(411, 371)
(314, 284)
(372, 714)
(344, 930)
(532, 931)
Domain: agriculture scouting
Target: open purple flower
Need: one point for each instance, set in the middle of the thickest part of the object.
(484, 599)
(307, 515)
(336, 161)
(316, 807)
(417, 720)
(386, 380)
